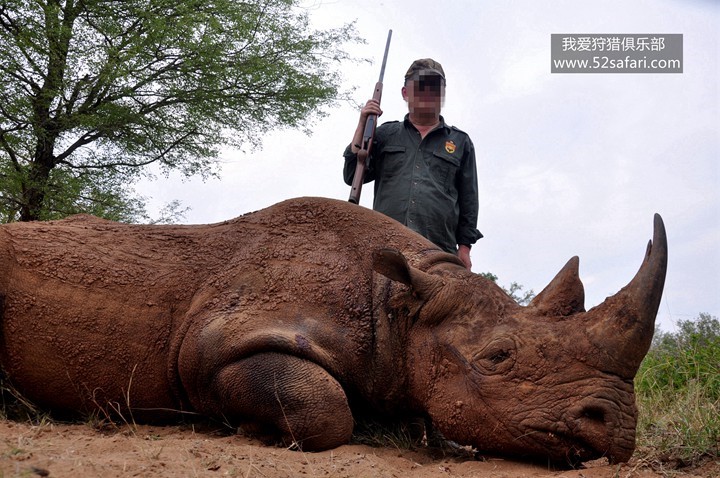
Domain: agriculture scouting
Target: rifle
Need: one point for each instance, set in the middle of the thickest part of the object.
(368, 134)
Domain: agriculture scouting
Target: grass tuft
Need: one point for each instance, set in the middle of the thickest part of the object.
(13, 406)
(401, 435)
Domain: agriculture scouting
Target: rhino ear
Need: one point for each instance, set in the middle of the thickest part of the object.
(564, 295)
(392, 264)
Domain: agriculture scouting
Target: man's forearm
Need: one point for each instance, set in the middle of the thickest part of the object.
(464, 255)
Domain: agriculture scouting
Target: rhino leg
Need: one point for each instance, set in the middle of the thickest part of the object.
(282, 396)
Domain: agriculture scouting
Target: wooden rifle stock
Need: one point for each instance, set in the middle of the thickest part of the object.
(364, 151)
(368, 135)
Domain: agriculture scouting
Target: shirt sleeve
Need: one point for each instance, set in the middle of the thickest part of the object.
(350, 165)
(467, 232)
(351, 158)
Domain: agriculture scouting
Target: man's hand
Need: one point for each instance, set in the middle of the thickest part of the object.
(371, 107)
(464, 255)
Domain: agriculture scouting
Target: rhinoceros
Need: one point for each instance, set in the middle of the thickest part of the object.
(291, 319)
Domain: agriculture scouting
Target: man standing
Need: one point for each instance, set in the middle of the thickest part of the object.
(424, 170)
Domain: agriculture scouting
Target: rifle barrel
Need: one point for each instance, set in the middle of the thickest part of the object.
(387, 49)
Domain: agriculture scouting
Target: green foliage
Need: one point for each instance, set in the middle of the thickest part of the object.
(95, 91)
(678, 393)
(678, 360)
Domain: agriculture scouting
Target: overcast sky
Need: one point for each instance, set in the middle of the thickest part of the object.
(569, 164)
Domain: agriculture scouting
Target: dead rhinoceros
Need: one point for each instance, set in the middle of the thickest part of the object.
(289, 319)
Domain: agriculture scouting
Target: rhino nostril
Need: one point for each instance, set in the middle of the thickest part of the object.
(593, 414)
(593, 426)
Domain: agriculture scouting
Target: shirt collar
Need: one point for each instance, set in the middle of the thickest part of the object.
(408, 124)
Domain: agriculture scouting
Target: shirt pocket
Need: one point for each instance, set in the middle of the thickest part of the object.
(393, 158)
(443, 168)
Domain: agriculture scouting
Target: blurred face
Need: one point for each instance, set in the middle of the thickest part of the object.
(424, 95)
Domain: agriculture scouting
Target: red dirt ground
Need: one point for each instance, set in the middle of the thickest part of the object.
(79, 450)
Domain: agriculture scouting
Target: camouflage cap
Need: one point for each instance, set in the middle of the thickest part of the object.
(427, 66)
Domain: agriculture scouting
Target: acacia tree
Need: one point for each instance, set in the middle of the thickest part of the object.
(94, 91)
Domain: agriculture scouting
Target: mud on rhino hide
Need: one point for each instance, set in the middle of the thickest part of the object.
(290, 319)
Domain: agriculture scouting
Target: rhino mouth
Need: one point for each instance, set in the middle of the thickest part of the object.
(566, 448)
(575, 448)
(563, 450)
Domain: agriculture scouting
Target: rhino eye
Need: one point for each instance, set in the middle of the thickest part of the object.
(500, 357)
(496, 357)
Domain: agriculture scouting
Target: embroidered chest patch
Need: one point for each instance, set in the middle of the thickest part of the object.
(449, 146)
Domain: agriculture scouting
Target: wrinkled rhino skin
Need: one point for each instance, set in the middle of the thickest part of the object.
(288, 319)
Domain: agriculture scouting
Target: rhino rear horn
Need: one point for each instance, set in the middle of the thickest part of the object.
(621, 328)
(393, 265)
(564, 295)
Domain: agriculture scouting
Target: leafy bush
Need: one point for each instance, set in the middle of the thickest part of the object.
(678, 394)
(689, 356)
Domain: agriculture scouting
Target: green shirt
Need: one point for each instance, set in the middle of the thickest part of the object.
(430, 185)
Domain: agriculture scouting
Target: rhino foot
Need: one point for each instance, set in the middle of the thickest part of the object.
(282, 397)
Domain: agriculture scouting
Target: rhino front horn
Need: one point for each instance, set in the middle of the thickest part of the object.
(622, 327)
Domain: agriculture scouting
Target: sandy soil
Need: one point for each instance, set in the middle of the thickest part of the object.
(78, 450)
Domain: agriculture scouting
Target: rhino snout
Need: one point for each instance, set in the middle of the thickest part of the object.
(601, 429)
(592, 427)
